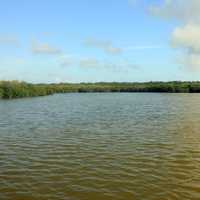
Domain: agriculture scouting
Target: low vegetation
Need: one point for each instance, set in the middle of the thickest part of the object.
(15, 89)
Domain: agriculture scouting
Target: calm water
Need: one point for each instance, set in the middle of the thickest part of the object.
(100, 147)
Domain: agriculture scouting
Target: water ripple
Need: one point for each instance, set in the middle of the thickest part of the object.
(100, 147)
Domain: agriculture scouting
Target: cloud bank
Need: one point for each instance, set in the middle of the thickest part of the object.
(186, 37)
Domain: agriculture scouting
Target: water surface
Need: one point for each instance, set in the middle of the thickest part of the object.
(100, 147)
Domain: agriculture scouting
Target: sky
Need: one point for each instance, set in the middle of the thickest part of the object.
(99, 40)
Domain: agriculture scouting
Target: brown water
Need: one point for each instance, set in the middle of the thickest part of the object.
(100, 147)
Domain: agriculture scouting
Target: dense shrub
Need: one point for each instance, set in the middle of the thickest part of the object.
(15, 89)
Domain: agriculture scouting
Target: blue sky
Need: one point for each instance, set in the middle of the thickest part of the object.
(93, 40)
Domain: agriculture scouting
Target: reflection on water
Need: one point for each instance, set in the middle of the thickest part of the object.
(100, 147)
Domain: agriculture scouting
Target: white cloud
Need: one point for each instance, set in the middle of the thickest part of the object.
(187, 36)
(104, 45)
(183, 10)
(44, 48)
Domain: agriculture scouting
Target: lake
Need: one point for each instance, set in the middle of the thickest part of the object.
(100, 146)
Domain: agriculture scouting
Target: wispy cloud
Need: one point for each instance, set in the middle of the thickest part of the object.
(89, 62)
(66, 63)
(57, 77)
(189, 61)
(9, 40)
(95, 63)
(66, 60)
(117, 66)
(132, 2)
(46, 34)
(44, 48)
(104, 45)
(142, 47)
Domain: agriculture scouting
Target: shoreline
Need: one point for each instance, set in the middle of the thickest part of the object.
(16, 89)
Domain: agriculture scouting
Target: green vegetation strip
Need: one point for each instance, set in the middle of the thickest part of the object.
(15, 89)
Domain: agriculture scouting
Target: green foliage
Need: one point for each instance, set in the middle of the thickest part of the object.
(15, 89)
(1, 93)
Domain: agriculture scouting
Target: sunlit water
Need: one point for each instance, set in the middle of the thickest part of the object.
(100, 147)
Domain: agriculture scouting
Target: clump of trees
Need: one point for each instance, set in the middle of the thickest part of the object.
(16, 89)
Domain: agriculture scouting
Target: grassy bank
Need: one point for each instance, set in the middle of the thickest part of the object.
(15, 89)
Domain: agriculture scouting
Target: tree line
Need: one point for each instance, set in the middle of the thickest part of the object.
(16, 89)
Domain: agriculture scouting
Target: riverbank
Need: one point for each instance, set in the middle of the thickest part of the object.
(16, 89)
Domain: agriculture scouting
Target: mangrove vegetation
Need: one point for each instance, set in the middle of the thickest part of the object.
(16, 89)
